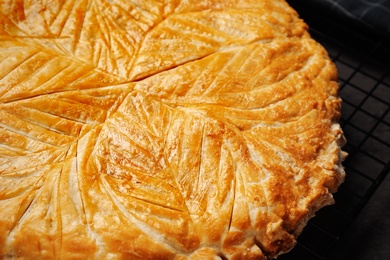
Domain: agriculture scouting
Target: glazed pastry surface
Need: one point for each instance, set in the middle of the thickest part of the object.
(162, 130)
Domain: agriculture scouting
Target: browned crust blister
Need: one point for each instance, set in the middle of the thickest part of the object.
(148, 130)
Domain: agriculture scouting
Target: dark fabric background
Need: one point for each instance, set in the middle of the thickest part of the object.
(373, 13)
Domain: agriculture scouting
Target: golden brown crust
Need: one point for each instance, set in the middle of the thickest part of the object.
(142, 130)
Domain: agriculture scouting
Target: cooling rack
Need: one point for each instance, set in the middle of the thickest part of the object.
(361, 56)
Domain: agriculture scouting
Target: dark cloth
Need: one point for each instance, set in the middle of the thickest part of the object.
(373, 13)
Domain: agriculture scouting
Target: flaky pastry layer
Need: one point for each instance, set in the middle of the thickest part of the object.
(150, 130)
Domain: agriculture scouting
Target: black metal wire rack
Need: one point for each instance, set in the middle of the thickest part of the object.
(361, 57)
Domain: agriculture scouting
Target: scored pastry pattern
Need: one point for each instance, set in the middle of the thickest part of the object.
(146, 129)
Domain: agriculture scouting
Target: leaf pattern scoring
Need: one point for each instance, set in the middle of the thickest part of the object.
(162, 129)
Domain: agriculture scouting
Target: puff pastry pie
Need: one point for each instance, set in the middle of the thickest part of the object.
(162, 129)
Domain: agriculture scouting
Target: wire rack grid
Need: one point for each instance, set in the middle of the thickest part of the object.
(361, 57)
